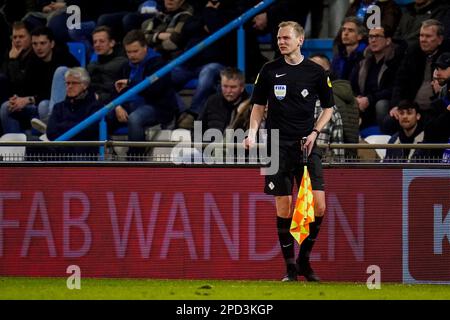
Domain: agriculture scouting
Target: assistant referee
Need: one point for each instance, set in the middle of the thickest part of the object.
(290, 86)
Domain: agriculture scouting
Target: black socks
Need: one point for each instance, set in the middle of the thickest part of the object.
(286, 240)
(308, 243)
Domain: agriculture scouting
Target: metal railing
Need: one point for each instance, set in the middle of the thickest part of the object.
(165, 156)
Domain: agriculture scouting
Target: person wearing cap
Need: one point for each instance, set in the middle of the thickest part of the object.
(442, 68)
(411, 132)
(438, 130)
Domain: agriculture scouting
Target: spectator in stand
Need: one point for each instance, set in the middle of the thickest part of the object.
(107, 69)
(33, 100)
(415, 74)
(164, 32)
(13, 69)
(222, 109)
(373, 78)
(411, 132)
(46, 10)
(345, 106)
(436, 84)
(389, 9)
(350, 45)
(411, 22)
(155, 105)
(80, 103)
(438, 130)
(128, 15)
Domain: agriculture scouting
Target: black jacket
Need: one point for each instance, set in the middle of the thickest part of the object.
(104, 72)
(219, 113)
(39, 76)
(70, 112)
(386, 76)
(15, 70)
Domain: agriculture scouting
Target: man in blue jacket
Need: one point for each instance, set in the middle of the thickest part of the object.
(155, 105)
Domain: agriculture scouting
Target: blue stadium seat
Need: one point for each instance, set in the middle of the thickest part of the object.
(324, 46)
(94, 57)
(265, 39)
(192, 84)
(370, 131)
(78, 50)
(249, 88)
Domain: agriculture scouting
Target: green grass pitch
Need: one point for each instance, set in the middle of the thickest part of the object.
(137, 289)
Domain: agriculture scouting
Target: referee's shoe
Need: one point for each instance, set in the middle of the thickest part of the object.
(291, 274)
(304, 269)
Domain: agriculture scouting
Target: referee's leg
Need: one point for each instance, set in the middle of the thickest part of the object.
(284, 218)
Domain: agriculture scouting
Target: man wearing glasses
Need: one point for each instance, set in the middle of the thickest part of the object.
(79, 104)
(374, 77)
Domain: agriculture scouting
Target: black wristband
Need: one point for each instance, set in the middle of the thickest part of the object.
(316, 131)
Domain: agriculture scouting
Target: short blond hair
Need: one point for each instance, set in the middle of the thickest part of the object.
(295, 26)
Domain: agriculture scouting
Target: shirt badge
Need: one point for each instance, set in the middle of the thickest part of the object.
(280, 91)
(305, 93)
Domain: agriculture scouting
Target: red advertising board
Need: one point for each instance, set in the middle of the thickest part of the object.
(215, 223)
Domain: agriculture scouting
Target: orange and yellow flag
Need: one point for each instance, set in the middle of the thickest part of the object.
(304, 209)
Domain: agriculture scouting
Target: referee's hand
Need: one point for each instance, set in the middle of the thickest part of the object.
(248, 143)
(309, 144)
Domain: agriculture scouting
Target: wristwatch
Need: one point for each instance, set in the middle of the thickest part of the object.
(31, 100)
(316, 131)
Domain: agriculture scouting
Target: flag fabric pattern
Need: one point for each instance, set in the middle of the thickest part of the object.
(304, 209)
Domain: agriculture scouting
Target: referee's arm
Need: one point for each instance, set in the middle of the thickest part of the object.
(255, 121)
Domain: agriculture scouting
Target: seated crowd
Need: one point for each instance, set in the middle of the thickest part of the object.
(391, 78)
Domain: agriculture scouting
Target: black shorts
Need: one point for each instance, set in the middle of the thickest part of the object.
(290, 167)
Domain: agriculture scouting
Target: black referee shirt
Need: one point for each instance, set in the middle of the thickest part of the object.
(291, 91)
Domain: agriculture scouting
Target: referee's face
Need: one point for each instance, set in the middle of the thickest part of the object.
(288, 41)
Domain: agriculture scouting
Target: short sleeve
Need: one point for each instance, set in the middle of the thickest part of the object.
(260, 93)
(325, 91)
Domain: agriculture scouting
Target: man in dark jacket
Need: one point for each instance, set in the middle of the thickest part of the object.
(223, 108)
(16, 62)
(109, 65)
(373, 78)
(79, 104)
(156, 104)
(350, 48)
